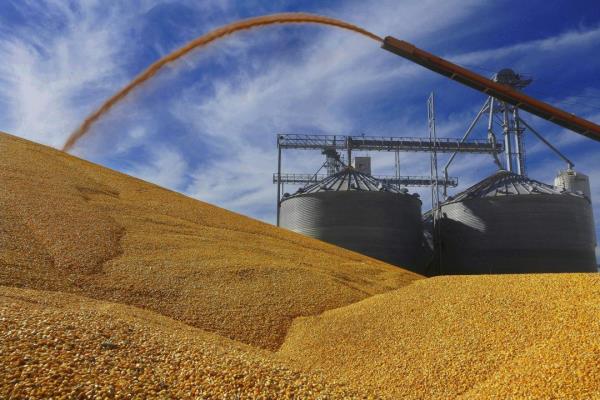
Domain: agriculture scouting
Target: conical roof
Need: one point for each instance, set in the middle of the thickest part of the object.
(348, 180)
(504, 183)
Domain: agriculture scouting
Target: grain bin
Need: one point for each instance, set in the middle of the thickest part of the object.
(355, 211)
(508, 223)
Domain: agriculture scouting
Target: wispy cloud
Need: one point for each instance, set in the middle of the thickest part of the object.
(551, 46)
(164, 166)
(54, 69)
(65, 61)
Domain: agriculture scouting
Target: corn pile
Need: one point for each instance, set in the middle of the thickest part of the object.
(471, 337)
(111, 287)
(72, 226)
(55, 345)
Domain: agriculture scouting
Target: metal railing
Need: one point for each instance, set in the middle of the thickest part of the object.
(385, 143)
(303, 179)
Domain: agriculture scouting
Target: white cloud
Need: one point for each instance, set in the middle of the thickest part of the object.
(240, 182)
(50, 75)
(66, 62)
(551, 46)
(165, 167)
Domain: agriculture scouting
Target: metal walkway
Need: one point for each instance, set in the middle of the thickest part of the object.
(385, 143)
(302, 179)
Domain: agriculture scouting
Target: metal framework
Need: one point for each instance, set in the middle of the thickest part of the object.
(435, 191)
(505, 98)
(302, 179)
(504, 101)
(386, 143)
(513, 128)
(331, 145)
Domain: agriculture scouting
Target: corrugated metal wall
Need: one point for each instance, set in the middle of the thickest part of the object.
(382, 225)
(518, 234)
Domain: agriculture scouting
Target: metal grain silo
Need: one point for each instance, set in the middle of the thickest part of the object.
(355, 211)
(508, 223)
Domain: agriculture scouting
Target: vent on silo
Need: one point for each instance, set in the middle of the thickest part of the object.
(362, 165)
(573, 181)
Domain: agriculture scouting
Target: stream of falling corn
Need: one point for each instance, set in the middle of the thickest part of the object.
(284, 18)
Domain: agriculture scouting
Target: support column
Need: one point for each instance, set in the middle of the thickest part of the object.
(349, 150)
(491, 134)
(435, 193)
(507, 142)
(519, 149)
(278, 179)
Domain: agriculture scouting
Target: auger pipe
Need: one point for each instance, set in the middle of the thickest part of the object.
(502, 92)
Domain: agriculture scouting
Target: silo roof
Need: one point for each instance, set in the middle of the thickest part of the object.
(504, 183)
(348, 180)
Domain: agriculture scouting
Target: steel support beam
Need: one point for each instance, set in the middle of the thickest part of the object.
(303, 179)
(570, 164)
(519, 148)
(278, 179)
(507, 143)
(386, 143)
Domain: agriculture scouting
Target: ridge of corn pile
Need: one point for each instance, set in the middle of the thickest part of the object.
(111, 287)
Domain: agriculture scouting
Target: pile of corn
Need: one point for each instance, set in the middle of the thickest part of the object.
(128, 290)
(55, 345)
(73, 226)
(471, 337)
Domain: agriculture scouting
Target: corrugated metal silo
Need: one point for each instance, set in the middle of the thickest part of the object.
(508, 223)
(355, 211)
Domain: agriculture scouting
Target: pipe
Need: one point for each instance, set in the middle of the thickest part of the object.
(491, 88)
(519, 151)
(507, 144)
(491, 134)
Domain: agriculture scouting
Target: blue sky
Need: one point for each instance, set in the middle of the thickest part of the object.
(206, 126)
